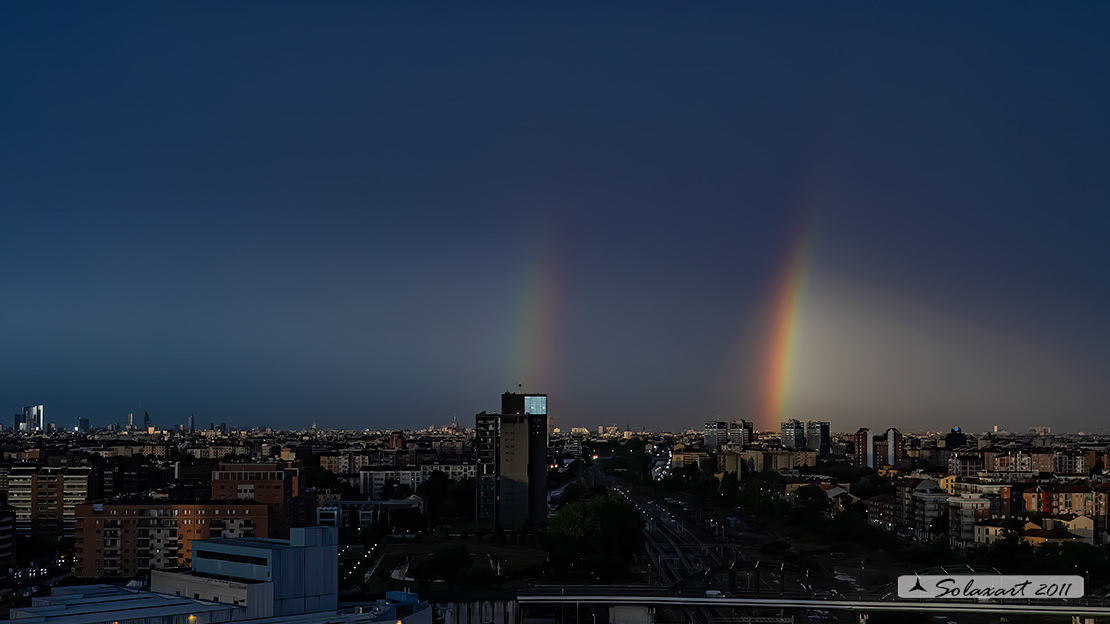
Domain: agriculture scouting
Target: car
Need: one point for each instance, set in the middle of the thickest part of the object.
(713, 593)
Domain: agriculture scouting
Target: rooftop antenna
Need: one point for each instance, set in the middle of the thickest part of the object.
(520, 388)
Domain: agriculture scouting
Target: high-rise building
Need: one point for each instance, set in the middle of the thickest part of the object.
(715, 434)
(511, 450)
(894, 449)
(31, 419)
(147, 422)
(83, 424)
(793, 435)
(817, 437)
(741, 432)
(864, 445)
(192, 423)
(876, 451)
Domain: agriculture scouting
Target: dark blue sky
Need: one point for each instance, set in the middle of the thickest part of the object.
(383, 215)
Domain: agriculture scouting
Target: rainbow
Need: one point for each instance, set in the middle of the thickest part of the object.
(534, 347)
(782, 344)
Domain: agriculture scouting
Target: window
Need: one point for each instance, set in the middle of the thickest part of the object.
(220, 556)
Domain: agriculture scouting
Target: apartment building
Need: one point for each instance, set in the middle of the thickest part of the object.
(7, 536)
(964, 515)
(45, 498)
(374, 480)
(124, 539)
(269, 483)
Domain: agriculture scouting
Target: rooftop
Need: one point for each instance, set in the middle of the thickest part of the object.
(88, 604)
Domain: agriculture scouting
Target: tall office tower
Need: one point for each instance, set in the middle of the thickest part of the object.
(511, 450)
(33, 418)
(83, 424)
(130, 422)
(817, 436)
(147, 422)
(192, 423)
(793, 434)
(715, 433)
(741, 432)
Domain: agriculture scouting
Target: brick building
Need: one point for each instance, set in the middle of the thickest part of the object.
(270, 483)
(126, 538)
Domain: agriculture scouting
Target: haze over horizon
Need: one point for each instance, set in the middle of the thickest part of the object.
(379, 216)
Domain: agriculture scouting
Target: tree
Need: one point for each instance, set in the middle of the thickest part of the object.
(446, 564)
(587, 535)
(812, 499)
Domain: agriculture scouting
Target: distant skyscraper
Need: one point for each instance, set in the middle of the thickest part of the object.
(34, 418)
(793, 434)
(147, 422)
(192, 423)
(511, 450)
(715, 433)
(741, 432)
(83, 424)
(817, 436)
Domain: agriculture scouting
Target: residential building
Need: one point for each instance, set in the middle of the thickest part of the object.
(964, 515)
(991, 530)
(377, 481)
(863, 443)
(511, 451)
(123, 539)
(455, 471)
(7, 536)
(269, 483)
(45, 498)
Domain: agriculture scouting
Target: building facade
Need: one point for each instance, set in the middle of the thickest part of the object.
(818, 437)
(793, 435)
(124, 539)
(511, 450)
(46, 498)
(266, 577)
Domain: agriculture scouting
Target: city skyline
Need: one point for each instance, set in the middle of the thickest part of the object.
(371, 216)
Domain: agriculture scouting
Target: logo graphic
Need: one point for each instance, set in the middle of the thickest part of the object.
(989, 586)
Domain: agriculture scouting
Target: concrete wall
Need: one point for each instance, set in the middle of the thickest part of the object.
(256, 598)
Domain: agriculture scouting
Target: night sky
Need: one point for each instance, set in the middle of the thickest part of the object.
(378, 215)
